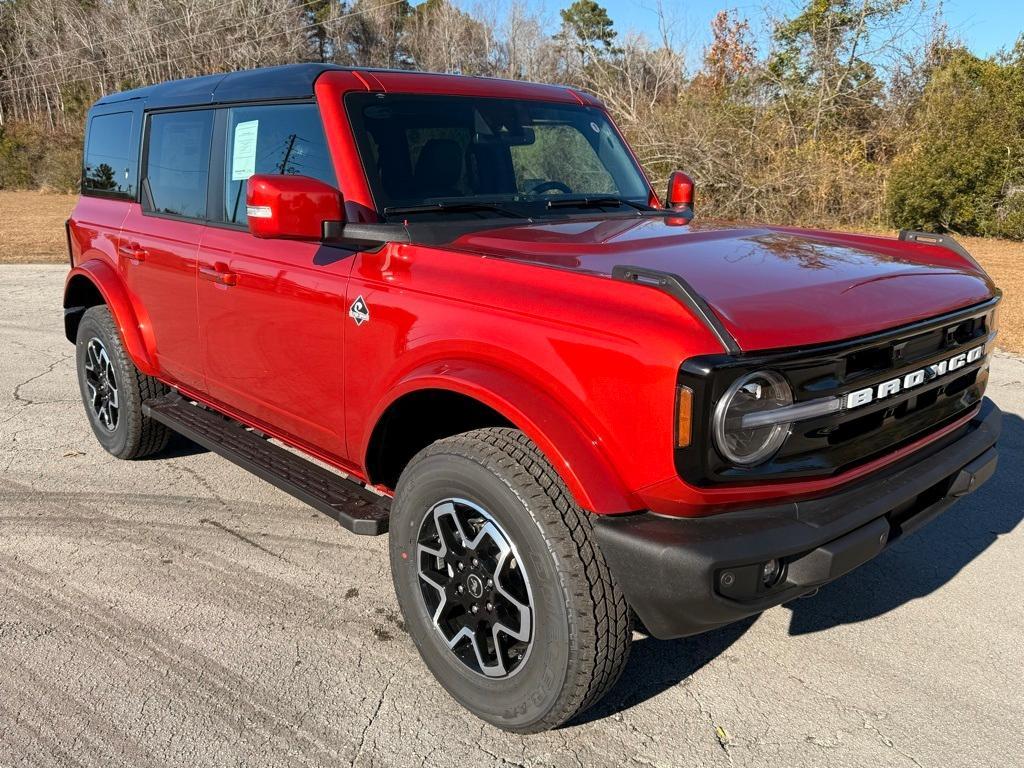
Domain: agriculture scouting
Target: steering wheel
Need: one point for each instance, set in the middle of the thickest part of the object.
(550, 186)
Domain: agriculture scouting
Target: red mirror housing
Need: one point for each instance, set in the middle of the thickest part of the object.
(680, 192)
(291, 206)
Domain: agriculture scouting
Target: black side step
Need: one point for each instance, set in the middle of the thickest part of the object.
(348, 502)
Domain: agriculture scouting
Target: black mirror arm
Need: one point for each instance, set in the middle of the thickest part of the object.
(364, 234)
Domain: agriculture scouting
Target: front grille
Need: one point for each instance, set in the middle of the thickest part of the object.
(840, 441)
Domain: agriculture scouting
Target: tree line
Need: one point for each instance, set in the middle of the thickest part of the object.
(849, 112)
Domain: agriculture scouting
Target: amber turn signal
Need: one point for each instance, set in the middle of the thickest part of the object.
(684, 416)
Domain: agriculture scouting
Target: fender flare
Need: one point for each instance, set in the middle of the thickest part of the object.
(575, 450)
(134, 330)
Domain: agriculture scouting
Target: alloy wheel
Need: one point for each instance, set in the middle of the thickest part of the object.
(102, 384)
(475, 588)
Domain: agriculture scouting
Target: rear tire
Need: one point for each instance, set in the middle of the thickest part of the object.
(580, 627)
(113, 390)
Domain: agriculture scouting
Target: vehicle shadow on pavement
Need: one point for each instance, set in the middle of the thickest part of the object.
(177, 447)
(926, 560)
(656, 665)
(912, 568)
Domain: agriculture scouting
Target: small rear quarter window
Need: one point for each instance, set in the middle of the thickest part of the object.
(109, 163)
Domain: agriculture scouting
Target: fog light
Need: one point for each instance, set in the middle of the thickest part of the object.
(770, 573)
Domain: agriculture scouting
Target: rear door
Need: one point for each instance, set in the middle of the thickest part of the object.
(159, 242)
(272, 311)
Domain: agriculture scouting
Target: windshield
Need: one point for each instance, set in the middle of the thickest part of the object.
(472, 157)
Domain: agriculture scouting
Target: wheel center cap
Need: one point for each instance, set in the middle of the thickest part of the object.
(475, 585)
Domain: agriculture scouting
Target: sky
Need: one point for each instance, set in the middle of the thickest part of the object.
(984, 25)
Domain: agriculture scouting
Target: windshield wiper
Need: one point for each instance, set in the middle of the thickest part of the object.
(597, 202)
(454, 207)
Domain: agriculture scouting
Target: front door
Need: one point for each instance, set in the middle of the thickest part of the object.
(272, 312)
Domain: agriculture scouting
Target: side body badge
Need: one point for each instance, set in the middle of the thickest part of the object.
(359, 311)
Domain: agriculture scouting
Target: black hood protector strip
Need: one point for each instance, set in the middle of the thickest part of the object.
(684, 292)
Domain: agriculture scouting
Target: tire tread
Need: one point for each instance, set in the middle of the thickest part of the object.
(601, 619)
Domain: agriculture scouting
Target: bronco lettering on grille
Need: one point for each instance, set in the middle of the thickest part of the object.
(910, 380)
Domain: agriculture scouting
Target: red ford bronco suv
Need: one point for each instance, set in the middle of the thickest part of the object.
(570, 403)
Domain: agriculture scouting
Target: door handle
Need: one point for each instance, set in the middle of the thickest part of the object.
(134, 252)
(219, 276)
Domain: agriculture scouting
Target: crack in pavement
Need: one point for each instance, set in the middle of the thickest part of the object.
(201, 481)
(242, 537)
(723, 743)
(49, 369)
(372, 717)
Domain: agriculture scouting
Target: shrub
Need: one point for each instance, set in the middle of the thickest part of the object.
(32, 157)
(964, 155)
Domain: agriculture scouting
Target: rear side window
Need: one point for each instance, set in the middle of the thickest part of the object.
(281, 138)
(177, 163)
(109, 167)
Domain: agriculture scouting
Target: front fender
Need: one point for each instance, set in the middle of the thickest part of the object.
(134, 329)
(575, 450)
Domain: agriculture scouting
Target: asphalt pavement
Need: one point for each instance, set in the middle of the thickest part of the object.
(178, 611)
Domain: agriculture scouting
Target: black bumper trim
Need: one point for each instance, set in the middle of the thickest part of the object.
(671, 568)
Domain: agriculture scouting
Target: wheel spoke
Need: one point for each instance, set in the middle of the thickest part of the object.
(449, 527)
(92, 360)
(521, 609)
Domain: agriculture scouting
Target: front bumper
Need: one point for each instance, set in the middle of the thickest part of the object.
(684, 576)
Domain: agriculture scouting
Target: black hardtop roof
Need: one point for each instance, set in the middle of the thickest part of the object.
(290, 81)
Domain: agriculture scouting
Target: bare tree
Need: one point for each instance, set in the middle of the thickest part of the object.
(805, 131)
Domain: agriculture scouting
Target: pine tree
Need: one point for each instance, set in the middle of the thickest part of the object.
(587, 30)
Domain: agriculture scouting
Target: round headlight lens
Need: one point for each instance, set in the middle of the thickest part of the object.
(755, 392)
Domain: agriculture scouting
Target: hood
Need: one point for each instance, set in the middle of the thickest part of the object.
(770, 286)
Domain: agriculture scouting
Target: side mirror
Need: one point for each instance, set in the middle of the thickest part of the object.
(290, 206)
(680, 192)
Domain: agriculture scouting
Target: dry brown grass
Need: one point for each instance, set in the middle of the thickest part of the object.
(32, 231)
(32, 227)
(1004, 261)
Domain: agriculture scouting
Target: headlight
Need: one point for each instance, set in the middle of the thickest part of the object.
(755, 392)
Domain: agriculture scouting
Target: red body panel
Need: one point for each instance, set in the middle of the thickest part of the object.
(93, 230)
(771, 287)
(157, 259)
(557, 354)
(272, 342)
(525, 318)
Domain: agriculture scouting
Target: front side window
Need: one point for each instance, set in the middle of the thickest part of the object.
(109, 169)
(459, 151)
(177, 161)
(281, 138)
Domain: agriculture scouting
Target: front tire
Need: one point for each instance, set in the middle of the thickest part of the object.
(501, 584)
(113, 390)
